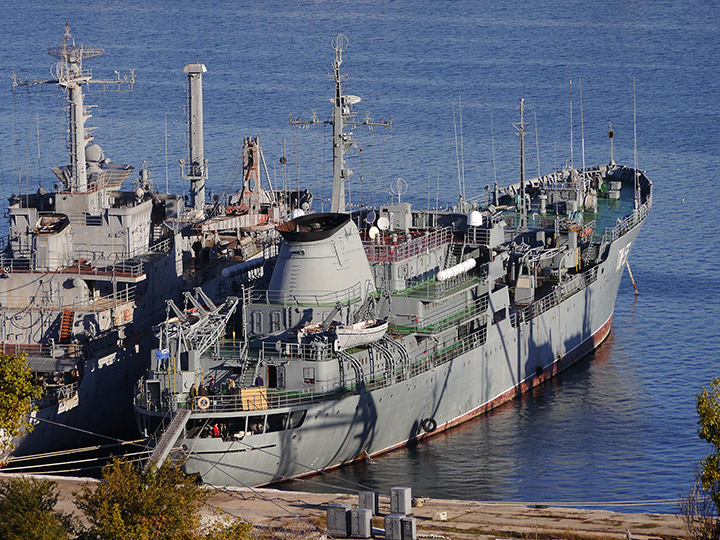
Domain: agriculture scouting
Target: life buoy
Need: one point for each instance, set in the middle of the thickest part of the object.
(203, 402)
(429, 425)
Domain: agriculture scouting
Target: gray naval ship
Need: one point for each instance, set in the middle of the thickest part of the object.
(377, 327)
(87, 268)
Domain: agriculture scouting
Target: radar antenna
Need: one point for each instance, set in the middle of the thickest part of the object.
(398, 188)
(69, 74)
(339, 43)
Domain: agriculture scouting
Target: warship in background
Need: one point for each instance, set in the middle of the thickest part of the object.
(450, 313)
(87, 269)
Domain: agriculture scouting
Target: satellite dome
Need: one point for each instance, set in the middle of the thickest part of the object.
(94, 153)
(474, 219)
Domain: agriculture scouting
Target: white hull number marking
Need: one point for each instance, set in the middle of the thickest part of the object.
(623, 256)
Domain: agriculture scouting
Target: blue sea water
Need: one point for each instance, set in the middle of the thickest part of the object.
(621, 424)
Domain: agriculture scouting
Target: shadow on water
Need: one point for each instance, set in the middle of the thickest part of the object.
(477, 454)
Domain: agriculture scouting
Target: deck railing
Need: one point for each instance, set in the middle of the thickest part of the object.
(52, 300)
(43, 351)
(451, 316)
(404, 250)
(54, 393)
(611, 234)
(227, 402)
(310, 298)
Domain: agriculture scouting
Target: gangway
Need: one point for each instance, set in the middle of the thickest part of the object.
(168, 439)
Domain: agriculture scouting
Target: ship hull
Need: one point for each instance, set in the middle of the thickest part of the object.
(512, 360)
(96, 413)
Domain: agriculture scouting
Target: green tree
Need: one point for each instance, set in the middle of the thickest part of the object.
(160, 504)
(708, 408)
(16, 392)
(27, 511)
(699, 509)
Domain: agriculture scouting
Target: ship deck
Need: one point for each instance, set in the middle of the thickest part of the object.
(608, 212)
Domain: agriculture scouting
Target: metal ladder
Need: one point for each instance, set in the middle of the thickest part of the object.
(66, 324)
(249, 370)
(168, 439)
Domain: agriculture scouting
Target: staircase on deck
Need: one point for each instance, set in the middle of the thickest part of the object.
(66, 324)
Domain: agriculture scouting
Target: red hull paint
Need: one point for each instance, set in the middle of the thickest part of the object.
(550, 371)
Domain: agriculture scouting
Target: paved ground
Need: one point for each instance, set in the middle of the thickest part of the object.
(302, 515)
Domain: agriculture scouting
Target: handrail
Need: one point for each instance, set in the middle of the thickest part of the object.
(229, 403)
(96, 304)
(610, 234)
(26, 261)
(578, 283)
(53, 394)
(431, 288)
(97, 262)
(451, 316)
(316, 351)
(38, 350)
(404, 250)
(270, 296)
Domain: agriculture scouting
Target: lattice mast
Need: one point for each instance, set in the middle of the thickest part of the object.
(520, 126)
(341, 142)
(69, 74)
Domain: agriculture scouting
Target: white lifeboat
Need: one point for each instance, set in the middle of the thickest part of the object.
(360, 333)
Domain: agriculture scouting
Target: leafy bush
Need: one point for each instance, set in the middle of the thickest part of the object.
(700, 508)
(16, 392)
(160, 504)
(27, 511)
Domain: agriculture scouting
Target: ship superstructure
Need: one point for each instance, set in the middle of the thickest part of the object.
(87, 268)
(381, 326)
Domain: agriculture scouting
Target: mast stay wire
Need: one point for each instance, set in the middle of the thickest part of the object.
(58, 453)
(309, 468)
(82, 430)
(624, 503)
(267, 499)
(73, 462)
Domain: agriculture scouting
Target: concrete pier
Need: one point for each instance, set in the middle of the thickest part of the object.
(292, 514)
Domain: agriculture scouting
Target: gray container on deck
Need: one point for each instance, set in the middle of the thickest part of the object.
(408, 528)
(393, 527)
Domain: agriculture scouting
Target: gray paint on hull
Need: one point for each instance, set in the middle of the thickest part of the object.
(344, 430)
